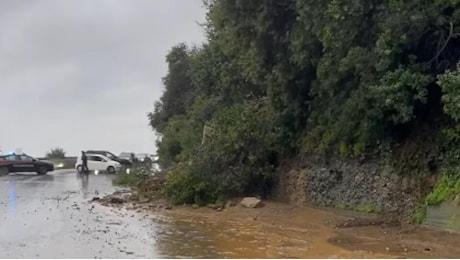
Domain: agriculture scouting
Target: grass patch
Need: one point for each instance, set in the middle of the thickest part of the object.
(133, 178)
(419, 215)
(124, 179)
(366, 209)
(446, 188)
(341, 206)
(360, 208)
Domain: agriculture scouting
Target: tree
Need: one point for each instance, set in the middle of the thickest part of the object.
(56, 153)
(335, 76)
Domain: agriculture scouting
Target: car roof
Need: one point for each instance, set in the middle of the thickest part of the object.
(96, 154)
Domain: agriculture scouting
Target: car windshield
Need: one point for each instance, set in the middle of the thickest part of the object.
(110, 155)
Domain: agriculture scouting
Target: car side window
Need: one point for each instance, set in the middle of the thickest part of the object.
(91, 158)
(26, 158)
(11, 158)
(98, 159)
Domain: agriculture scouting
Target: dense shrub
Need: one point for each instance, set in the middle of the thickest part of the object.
(336, 76)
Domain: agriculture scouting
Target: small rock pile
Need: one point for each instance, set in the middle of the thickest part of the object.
(118, 197)
(248, 202)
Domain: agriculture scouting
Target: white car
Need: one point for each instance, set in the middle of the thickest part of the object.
(97, 162)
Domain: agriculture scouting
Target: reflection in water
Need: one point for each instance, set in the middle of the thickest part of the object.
(12, 195)
(84, 184)
(33, 181)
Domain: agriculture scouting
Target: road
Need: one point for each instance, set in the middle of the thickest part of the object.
(50, 217)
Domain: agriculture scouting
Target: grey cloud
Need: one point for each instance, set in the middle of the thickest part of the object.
(91, 69)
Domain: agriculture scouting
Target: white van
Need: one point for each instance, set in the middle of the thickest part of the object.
(97, 162)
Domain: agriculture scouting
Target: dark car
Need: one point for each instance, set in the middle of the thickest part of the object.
(23, 163)
(122, 161)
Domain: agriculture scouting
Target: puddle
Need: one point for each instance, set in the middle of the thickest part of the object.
(367, 245)
(178, 240)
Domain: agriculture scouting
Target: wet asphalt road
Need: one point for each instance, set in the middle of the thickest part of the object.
(50, 217)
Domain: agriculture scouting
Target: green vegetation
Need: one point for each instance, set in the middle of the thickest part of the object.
(419, 215)
(56, 153)
(360, 208)
(446, 188)
(132, 178)
(366, 209)
(280, 78)
(124, 179)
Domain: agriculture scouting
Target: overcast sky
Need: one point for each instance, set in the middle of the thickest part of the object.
(84, 74)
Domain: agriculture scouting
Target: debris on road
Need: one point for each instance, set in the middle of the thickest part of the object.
(251, 202)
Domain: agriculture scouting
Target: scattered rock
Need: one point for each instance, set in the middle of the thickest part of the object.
(367, 222)
(168, 207)
(195, 206)
(230, 204)
(251, 202)
(219, 209)
(144, 200)
(213, 206)
(95, 199)
(116, 200)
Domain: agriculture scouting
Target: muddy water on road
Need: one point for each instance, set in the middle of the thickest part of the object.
(50, 217)
(285, 231)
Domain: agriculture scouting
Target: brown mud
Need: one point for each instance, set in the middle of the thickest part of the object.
(286, 231)
(279, 230)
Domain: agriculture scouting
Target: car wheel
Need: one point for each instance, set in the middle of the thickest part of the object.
(79, 169)
(42, 170)
(111, 170)
(4, 171)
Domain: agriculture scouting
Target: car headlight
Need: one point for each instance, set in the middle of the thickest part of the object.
(60, 165)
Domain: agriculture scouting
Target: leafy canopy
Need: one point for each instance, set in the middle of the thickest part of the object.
(334, 76)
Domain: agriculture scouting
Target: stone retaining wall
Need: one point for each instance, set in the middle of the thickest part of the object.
(370, 186)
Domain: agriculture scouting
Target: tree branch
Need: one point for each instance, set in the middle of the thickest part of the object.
(445, 44)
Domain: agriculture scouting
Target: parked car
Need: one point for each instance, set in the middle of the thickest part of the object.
(98, 162)
(24, 163)
(125, 155)
(122, 161)
(141, 156)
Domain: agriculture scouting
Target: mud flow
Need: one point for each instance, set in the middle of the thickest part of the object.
(61, 212)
